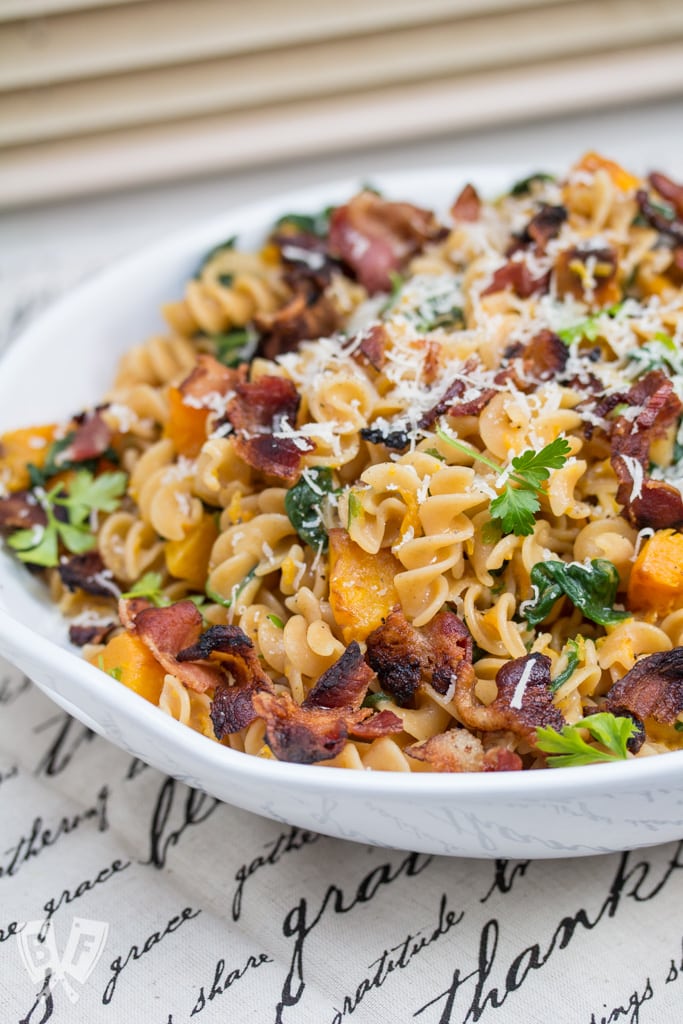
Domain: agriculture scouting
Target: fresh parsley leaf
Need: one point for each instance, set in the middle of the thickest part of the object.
(571, 749)
(54, 463)
(276, 620)
(573, 649)
(40, 546)
(217, 598)
(592, 588)
(149, 586)
(229, 243)
(355, 508)
(515, 508)
(303, 505)
(373, 699)
(660, 353)
(523, 187)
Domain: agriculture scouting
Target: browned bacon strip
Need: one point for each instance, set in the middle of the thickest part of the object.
(404, 658)
(671, 228)
(467, 207)
(543, 226)
(95, 634)
(257, 411)
(659, 504)
(305, 735)
(457, 750)
(535, 699)
(308, 314)
(545, 356)
(669, 190)
(344, 684)
(653, 688)
(166, 632)
(384, 723)
(375, 237)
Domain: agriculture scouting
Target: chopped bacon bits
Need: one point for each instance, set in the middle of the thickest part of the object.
(516, 275)
(671, 228)
(404, 657)
(375, 237)
(209, 377)
(308, 314)
(166, 632)
(258, 411)
(88, 573)
(344, 684)
(373, 347)
(653, 688)
(545, 356)
(20, 511)
(305, 735)
(457, 750)
(94, 634)
(384, 723)
(655, 503)
(467, 207)
(232, 709)
(524, 700)
(668, 190)
(541, 229)
(91, 439)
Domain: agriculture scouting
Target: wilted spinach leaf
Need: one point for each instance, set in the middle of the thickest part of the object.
(523, 187)
(592, 588)
(302, 505)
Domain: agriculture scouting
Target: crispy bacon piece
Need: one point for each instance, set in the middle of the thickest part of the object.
(404, 657)
(575, 264)
(20, 511)
(457, 750)
(91, 439)
(545, 356)
(95, 634)
(448, 404)
(232, 707)
(209, 377)
(671, 228)
(515, 274)
(258, 411)
(543, 226)
(467, 206)
(373, 347)
(88, 573)
(344, 684)
(525, 682)
(384, 723)
(305, 735)
(668, 190)
(653, 688)
(305, 257)
(166, 632)
(659, 504)
(375, 237)
(308, 314)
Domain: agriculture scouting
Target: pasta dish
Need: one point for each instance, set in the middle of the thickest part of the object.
(402, 491)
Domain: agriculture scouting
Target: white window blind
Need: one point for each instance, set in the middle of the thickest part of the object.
(98, 94)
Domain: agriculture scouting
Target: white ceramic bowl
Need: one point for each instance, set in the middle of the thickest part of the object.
(64, 362)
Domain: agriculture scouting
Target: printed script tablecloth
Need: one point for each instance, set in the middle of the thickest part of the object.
(125, 896)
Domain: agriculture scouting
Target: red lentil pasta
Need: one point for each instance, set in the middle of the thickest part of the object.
(401, 491)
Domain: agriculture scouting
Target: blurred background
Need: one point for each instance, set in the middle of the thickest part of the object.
(123, 119)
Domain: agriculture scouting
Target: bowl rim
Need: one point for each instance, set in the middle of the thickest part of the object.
(198, 751)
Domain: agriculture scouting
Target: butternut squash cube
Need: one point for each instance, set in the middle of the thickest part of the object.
(656, 582)
(129, 660)
(18, 448)
(188, 559)
(362, 591)
(186, 426)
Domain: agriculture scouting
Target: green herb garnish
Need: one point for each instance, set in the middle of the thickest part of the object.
(573, 649)
(589, 329)
(591, 588)
(276, 620)
(235, 347)
(303, 505)
(40, 545)
(216, 598)
(516, 506)
(116, 672)
(571, 749)
(307, 223)
(523, 187)
(229, 243)
(373, 699)
(149, 586)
